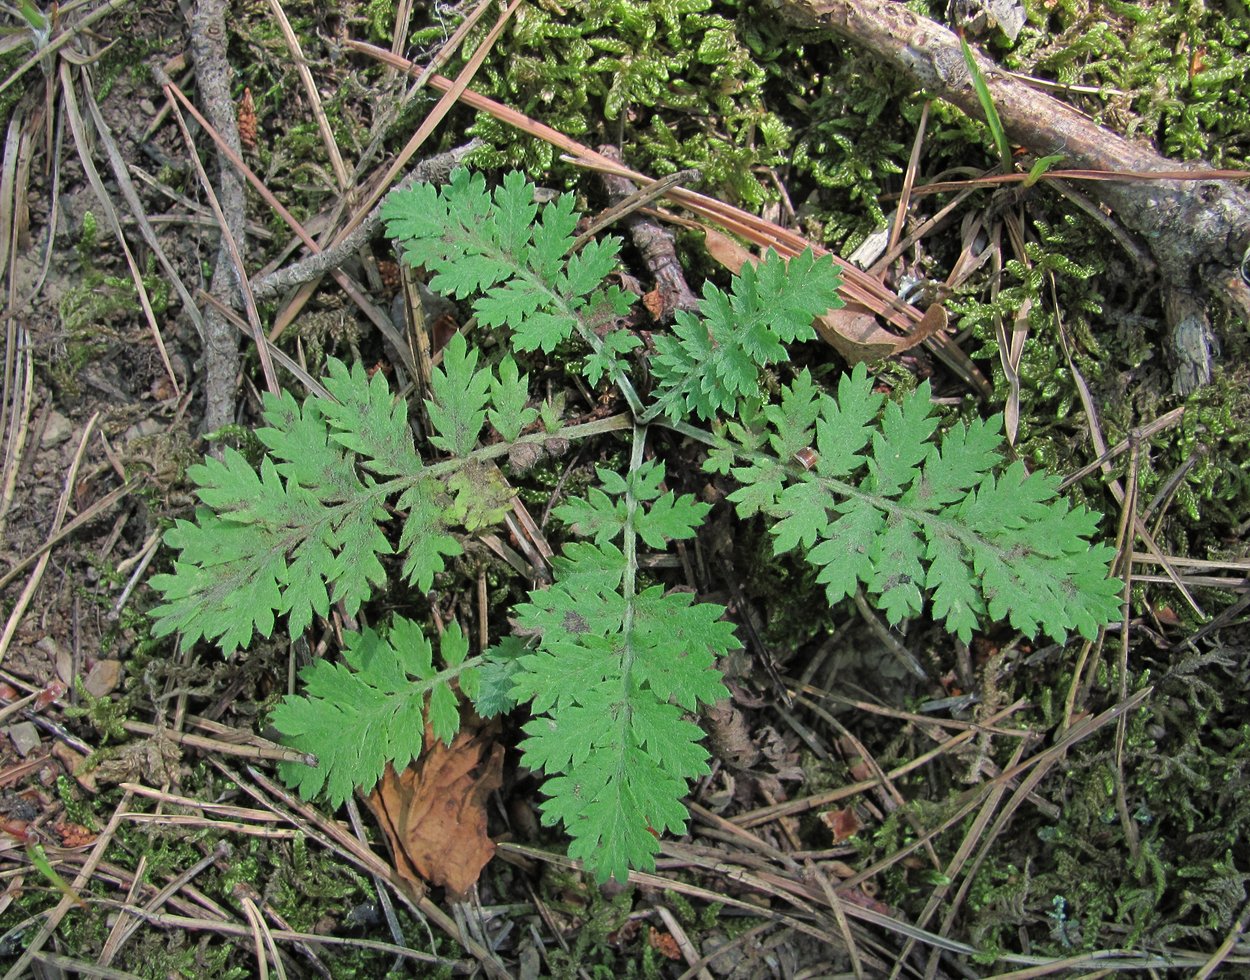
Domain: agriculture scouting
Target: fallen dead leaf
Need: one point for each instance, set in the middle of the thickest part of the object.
(855, 333)
(434, 812)
(654, 302)
(726, 251)
(843, 824)
(664, 944)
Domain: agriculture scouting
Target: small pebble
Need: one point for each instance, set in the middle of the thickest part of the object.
(103, 678)
(57, 431)
(25, 737)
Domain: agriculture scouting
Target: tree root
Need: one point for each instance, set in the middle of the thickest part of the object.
(1197, 230)
(654, 243)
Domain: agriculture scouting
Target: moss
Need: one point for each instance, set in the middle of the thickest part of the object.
(1173, 65)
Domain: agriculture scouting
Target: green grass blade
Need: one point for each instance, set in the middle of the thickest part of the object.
(987, 106)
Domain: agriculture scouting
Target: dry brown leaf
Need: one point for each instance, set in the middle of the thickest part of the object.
(434, 812)
(726, 251)
(654, 303)
(664, 944)
(855, 333)
(843, 824)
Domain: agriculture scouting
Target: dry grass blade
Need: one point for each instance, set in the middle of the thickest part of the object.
(1225, 949)
(1124, 568)
(127, 925)
(12, 195)
(261, 939)
(638, 199)
(688, 950)
(431, 121)
(1037, 767)
(189, 923)
(311, 384)
(314, 98)
(20, 969)
(1105, 456)
(62, 508)
(895, 799)
(909, 180)
(255, 747)
(121, 173)
(839, 914)
(444, 53)
(71, 31)
(966, 846)
(661, 883)
(1011, 342)
(244, 286)
(331, 835)
(83, 144)
(754, 818)
(59, 535)
(68, 965)
(749, 936)
(382, 122)
(19, 379)
(376, 316)
(1139, 176)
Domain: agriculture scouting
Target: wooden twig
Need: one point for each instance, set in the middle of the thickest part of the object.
(213, 74)
(436, 168)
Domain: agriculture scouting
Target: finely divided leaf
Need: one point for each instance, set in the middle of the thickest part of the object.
(929, 520)
(667, 518)
(489, 246)
(709, 366)
(846, 423)
(369, 711)
(368, 419)
(461, 393)
(508, 394)
(424, 541)
(608, 683)
(305, 529)
(263, 538)
(449, 231)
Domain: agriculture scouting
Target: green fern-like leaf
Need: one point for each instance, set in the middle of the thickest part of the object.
(489, 246)
(461, 393)
(613, 673)
(708, 366)
(611, 669)
(668, 518)
(912, 519)
(308, 528)
(609, 684)
(370, 710)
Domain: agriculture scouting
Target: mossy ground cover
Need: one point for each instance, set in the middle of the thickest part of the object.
(1136, 839)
